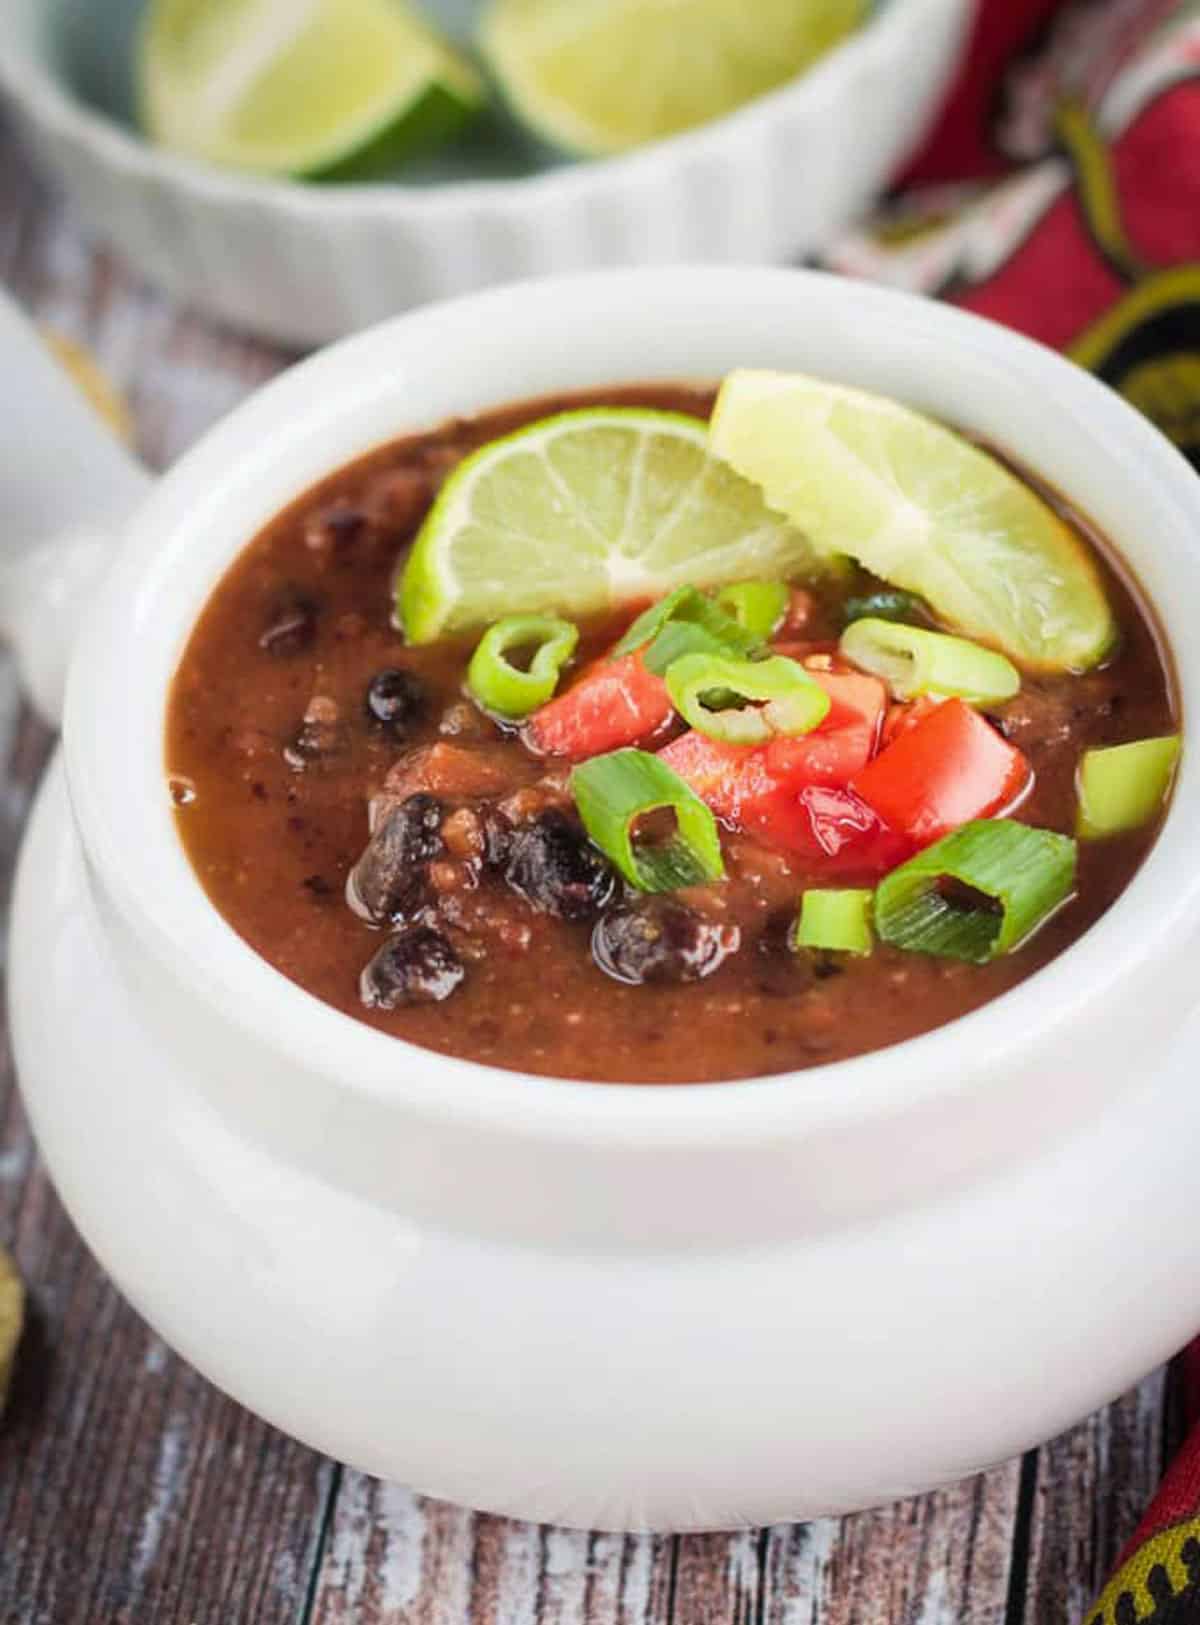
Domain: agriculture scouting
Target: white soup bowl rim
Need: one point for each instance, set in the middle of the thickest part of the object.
(118, 777)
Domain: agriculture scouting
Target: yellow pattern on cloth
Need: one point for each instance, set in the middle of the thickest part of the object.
(12, 1316)
(1161, 1580)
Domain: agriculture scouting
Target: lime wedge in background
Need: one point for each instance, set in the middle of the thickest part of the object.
(920, 507)
(596, 76)
(331, 89)
(584, 511)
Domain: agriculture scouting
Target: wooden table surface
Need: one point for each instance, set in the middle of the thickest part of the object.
(131, 1491)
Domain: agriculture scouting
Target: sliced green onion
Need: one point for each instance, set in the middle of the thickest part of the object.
(914, 661)
(653, 619)
(837, 921)
(685, 604)
(794, 703)
(1123, 787)
(976, 893)
(679, 638)
(512, 691)
(758, 606)
(612, 792)
(890, 604)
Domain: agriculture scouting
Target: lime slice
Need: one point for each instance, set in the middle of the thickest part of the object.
(596, 76)
(329, 88)
(922, 508)
(584, 511)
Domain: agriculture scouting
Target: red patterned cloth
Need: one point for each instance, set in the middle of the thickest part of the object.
(1060, 193)
(1089, 112)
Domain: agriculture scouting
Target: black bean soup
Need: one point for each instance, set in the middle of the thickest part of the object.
(474, 916)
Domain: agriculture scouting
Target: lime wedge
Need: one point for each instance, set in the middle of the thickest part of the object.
(596, 76)
(323, 88)
(584, 511)
(922, 508)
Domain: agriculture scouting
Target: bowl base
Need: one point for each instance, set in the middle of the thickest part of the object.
(697, 1390)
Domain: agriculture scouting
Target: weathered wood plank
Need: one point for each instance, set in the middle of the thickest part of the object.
(393, 1558)
(129, 1489)
(941, 1559)
(1093, 1485)
(718, 1578)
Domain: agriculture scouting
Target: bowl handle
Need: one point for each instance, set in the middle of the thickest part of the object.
(66, 489)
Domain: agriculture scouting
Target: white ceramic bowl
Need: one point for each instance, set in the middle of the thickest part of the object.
(307, 264)
(618, 1306)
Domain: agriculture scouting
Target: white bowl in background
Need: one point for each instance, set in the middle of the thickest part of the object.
(304, 264)
(611, 1306)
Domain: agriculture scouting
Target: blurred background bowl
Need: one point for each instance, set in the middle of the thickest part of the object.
(303, 264)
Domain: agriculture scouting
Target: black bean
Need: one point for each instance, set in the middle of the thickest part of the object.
(291, 624)
(335, 529)
(389, 879)
(555, 868)
(396, 700)
(415, 966)
(656, 939)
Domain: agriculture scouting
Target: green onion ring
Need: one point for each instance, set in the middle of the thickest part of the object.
(794, 702)
(685, 604)
(758, 606)
(507, 690)
(612, 792)
(1025, 873)
(914, 661)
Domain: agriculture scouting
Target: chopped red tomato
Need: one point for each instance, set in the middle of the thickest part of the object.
(846, 833)
(732, 779)
(790, 791)
(726, 776)
(844, 743)
(904, 716)
(745, 789)
(950, 767)
(614, 703)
